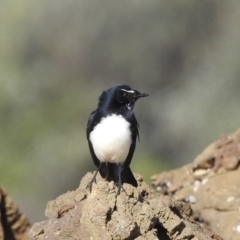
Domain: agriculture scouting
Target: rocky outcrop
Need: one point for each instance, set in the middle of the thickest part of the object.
(211, 185)
(136, 213)
(13, 224)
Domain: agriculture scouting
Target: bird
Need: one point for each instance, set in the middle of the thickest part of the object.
(112, 132)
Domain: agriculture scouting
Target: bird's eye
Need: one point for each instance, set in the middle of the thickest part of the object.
(126, 94)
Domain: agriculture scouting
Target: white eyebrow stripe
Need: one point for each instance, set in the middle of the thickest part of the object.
(129, 91)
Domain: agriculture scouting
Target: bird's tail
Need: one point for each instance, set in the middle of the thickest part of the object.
(109, 171)
(128, 177)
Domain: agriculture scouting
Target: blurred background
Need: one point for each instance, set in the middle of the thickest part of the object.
(56, 58)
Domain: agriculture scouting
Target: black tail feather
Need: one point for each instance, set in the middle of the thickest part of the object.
(128, 177)
(109, 171)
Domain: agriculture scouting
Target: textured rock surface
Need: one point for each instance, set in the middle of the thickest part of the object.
(137, 213)
(13, 225)
(211, 184)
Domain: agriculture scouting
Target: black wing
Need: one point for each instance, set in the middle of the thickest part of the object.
(135, 134)
(127, 175)
(90, 126)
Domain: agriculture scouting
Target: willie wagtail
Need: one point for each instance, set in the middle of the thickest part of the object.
(112, 131)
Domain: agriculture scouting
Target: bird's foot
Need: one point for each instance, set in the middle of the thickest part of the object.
(142, 197)
(119, 189)
(91, 183)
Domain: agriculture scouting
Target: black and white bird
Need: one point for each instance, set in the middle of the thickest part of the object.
(112, 131)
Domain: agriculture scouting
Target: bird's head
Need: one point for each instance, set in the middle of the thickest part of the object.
(122, 95)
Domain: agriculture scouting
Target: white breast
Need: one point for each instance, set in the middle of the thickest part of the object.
(111, 139)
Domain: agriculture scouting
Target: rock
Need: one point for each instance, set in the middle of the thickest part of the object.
(211, 185)
(136, 213)
(13, 225)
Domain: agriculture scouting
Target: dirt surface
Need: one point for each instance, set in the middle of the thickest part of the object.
(137, 213)
(211, 185)
(13, 225)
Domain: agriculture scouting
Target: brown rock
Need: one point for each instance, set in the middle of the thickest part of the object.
(13, 225)
(211, 185)
(137, 213)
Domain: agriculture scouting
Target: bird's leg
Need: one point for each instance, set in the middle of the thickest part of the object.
(120, 169)
(107, 171)
(94, 177)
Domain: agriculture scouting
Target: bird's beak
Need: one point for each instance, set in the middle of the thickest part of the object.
(135, 98)
(139, 95)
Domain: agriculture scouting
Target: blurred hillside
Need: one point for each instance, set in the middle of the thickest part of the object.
(56, 57)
